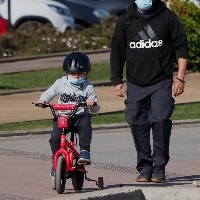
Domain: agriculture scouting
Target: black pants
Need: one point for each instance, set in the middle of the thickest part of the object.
(82, 125)
(150, 108)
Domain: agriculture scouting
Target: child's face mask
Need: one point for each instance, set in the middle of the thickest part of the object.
(144, 4)
(76, 81)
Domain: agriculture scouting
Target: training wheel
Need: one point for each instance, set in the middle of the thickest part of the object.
(100, 183)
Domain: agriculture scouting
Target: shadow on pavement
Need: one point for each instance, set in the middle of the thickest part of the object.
(184, 180)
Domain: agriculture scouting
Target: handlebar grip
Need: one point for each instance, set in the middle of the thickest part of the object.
(44, 105)
(85, 104)
(95, 103)
(82, 104)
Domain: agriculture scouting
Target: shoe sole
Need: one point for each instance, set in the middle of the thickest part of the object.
(83, 162)
(144, 180)
(156, 180)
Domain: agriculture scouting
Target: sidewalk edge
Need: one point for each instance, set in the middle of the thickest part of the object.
(95, 127)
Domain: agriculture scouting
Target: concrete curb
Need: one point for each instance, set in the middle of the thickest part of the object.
(17, 91)
(95, 127)
(138, 193)
(14, 59)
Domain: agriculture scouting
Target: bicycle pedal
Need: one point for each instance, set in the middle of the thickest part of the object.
(84, 163)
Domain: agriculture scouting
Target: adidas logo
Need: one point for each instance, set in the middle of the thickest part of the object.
(146, 39)
(146, 44)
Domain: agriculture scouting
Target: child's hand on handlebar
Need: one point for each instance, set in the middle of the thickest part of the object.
(90, 102)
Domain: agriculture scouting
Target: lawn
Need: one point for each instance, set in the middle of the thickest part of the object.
(44, 78)
(181, 112)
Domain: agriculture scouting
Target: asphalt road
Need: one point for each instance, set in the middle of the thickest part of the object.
(25, 164)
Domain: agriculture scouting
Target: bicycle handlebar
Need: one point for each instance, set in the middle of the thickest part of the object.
(59, 107)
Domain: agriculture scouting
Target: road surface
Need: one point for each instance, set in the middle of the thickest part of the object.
(25, 164)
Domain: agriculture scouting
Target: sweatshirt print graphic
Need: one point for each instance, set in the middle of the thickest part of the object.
(66, 98)
(147, 39)
(69, 93)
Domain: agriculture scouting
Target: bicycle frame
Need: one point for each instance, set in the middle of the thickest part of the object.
(66, 148)
(68, 151)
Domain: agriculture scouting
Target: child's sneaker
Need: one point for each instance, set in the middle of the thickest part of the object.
(84, 157)
(52, 173)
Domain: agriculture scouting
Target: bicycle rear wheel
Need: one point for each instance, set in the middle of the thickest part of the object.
(60, 175)
(77, 180)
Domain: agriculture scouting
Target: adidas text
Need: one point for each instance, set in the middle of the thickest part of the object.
(146, 44)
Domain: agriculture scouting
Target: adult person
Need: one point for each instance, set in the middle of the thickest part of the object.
(148, 37)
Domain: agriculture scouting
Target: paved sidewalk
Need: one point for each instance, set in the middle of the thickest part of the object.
(13, 65)
(115, 162)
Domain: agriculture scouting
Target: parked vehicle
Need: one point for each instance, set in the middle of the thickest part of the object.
(116, 7)
(37, 12)
(4, 26)
(87, 13)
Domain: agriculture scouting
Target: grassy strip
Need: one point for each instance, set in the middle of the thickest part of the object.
(181, 112)
(44, 78)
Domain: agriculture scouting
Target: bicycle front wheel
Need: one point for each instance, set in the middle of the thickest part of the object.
(60, 175)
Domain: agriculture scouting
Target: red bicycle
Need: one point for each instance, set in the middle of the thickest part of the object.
(65, 159)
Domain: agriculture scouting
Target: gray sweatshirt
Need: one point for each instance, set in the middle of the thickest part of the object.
(69, 93)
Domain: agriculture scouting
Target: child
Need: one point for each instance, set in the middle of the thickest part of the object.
(74, 88)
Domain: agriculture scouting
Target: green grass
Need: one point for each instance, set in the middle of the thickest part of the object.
(186, 111)
(181, 112)
(45, 78)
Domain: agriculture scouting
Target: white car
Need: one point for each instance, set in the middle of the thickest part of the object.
(37, 12)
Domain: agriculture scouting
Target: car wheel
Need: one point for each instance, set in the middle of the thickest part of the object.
(79, 27)
(32, 26)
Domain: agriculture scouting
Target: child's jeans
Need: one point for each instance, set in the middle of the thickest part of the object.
(82, 124)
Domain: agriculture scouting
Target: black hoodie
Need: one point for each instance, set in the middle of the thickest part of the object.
(147, 45)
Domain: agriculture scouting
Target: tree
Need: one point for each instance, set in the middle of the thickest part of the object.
(190, 17)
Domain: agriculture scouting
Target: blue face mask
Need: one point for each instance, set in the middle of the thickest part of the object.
(77, 82)
(144, 4)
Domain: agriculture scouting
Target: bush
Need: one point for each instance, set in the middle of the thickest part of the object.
(190, 17)
(46, 40)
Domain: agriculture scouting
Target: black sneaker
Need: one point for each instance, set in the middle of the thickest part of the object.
(158, 175)
(84, 158)
(144, 177)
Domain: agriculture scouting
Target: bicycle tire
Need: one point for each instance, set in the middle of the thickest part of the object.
(60, 175)
(77, 180)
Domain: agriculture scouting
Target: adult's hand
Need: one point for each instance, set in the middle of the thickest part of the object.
(179, 83)
(178, 87)
(119, 90)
